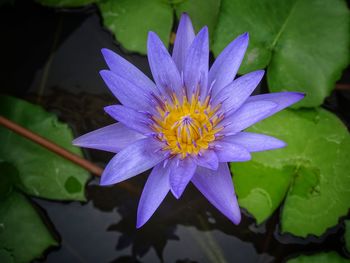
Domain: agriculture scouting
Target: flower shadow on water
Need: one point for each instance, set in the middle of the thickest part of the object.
(192, 211)
(202, 223)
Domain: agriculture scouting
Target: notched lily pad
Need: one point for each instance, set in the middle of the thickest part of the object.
(311, 173)
(41, 172)
(295, 39)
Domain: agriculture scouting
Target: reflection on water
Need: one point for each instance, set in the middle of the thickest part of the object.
(61, 73)
(185, 230)
(103, 230)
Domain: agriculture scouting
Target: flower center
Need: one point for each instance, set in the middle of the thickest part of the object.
(186, 127)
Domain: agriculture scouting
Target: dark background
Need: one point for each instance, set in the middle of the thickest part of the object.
(52, 57)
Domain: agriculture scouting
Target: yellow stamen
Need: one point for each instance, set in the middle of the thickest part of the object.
(186, 127)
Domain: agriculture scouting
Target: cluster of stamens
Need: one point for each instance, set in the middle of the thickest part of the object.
(188, 126)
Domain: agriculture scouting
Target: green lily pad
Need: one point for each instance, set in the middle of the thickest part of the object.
(311, 173)
(208, 15)
(23, 235)
(294, 39)
(131, 20)
(347, 235)
(330, 257)
(41, 173)
(65, 3)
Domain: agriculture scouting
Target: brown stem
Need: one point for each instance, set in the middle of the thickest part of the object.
(51, 146)
(341, 86)
(94, 169)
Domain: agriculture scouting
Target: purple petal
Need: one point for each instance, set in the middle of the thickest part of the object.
(132, 160)
(128, 71)
(164, 70)
(208, 159)
(282, 99)
(227, 63)
(184, 37)
(255, 142)
(127, 92)
(112, 138)
(229, 152)
(130, 118)
(196, 65)
(247, 115)
(217, 187)
(236, 93)
(180, 175)
(154, 192)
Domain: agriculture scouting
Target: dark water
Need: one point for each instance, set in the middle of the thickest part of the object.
(57, 63)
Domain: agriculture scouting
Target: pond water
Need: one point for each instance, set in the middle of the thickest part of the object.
(58, 60)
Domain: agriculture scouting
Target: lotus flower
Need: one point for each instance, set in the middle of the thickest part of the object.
(188, 123)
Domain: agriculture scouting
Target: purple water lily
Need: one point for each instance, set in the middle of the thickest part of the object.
(188, 124)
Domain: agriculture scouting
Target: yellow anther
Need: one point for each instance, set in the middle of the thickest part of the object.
(187, 127)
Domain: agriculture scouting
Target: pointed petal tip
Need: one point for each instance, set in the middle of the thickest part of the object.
(185, 15)
(244, 37)
(76, 141)
(177, 192)
(217, 188)
(295, 96)
(204, 31)
(281, 144)
(108, 54)
(236, 218)
(152, 36)
(105, 181)
(139, 225)
(140, 221)
(258, 74)
(105, 51)
(277, 144)
(108, 109)
(104, 73)
(151, 39)
(300, 94)
(81, 141)
(235, 214)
